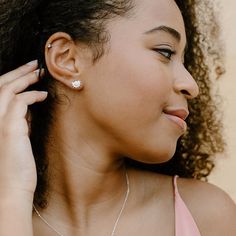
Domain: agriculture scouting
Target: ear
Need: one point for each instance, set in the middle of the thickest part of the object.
(62, 58)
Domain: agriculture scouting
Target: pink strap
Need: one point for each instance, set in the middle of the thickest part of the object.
(184, 222)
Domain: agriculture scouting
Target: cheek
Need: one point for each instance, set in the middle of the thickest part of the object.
(127, 103)
(129, 92)
(132, 88)
(131, 80)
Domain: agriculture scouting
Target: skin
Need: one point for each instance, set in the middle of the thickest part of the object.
(122, 102)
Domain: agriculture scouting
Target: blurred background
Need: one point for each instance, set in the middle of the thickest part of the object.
(224, 175)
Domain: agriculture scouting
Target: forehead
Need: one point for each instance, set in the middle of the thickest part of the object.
(152, 13)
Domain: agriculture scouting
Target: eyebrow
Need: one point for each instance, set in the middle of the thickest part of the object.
(174, 33)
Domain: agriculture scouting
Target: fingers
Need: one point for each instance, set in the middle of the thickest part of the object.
(19, 106)
(12, 97)
(14, 120)
(20, 84)
(21, 71)
(32, 97)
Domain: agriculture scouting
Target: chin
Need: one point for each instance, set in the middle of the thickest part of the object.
(154, 150)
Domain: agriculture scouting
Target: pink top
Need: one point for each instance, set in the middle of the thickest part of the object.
(184, 222)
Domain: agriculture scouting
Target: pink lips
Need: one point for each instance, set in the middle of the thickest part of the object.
(178, 116)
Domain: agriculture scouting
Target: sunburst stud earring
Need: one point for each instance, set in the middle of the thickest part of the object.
(77, 84)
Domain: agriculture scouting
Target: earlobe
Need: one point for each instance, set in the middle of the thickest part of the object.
(62, 60)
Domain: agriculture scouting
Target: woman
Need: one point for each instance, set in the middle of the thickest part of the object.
(117, 96)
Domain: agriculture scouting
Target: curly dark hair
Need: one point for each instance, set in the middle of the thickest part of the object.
(32, 22)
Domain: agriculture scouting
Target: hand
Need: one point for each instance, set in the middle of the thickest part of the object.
(17, 165)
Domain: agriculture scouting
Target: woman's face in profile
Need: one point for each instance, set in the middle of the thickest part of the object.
(138, 90)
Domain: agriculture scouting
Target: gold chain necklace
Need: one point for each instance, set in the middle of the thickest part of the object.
(116, 222)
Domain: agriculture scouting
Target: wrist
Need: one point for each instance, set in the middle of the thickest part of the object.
(16, 196)
(16, 208)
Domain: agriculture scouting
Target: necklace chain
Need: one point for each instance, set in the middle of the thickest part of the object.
(45, 221)
(116, 222)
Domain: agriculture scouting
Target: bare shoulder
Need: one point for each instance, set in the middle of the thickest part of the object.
(213, 210)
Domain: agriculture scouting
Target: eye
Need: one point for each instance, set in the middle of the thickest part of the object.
(166, 52)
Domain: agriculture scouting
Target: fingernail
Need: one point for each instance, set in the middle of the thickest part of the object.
(32, 63)
(37, 72)
(42, 71)
(44, 92)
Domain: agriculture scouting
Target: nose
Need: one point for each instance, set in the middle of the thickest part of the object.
(185, 84)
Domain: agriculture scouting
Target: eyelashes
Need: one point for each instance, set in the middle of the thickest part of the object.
(165, 52)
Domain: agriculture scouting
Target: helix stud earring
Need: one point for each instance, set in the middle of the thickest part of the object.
(49, 46)
(77, 84)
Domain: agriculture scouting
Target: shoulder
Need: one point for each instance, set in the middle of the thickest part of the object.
(213, 210)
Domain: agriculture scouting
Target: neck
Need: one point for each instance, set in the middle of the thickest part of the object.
(86, 181)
